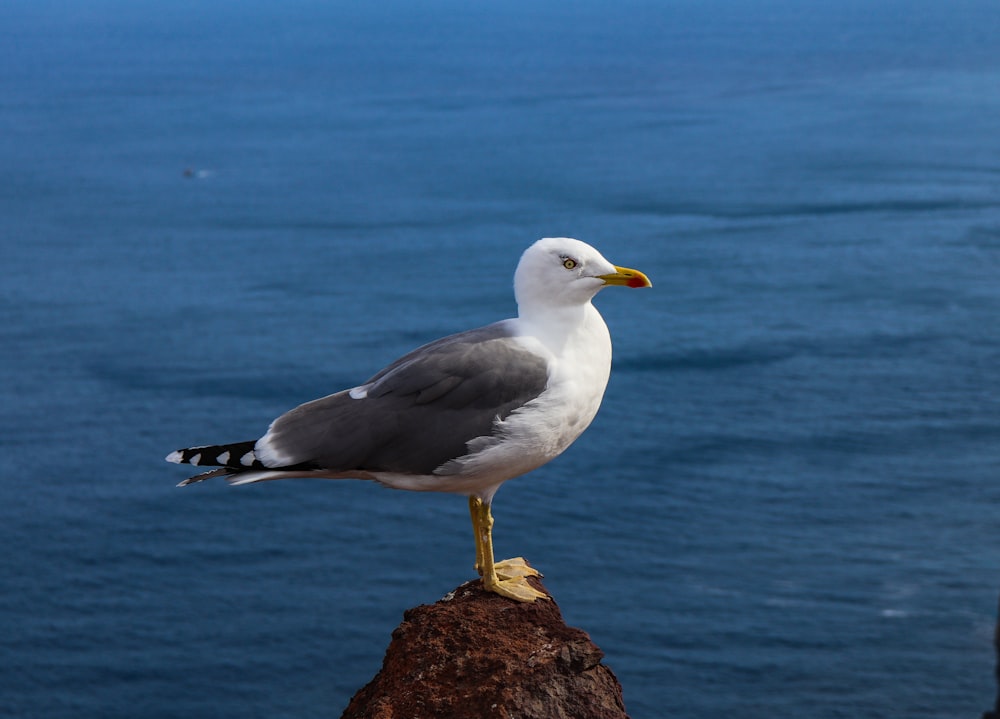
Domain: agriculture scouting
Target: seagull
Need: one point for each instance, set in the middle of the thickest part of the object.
(462, 414)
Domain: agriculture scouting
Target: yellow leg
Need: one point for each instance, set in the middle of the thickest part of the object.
(474, 504)
(508, 578)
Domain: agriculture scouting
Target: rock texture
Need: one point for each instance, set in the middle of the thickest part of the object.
(995, 713)
(476, 654)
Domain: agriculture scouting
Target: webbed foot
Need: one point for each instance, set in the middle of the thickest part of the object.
(515, 567)
(516, 588)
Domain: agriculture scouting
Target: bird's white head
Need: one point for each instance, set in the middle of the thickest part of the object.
(563, 272)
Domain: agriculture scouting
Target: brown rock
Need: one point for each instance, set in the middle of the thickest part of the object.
(476, 654)
(995, 713)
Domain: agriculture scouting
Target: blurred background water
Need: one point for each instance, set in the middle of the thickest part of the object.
(213, 211)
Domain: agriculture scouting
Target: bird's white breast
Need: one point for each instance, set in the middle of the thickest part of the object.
(579, 358)
(544, 427)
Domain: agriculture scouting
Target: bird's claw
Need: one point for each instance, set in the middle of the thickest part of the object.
(515, 567)
(510, 579)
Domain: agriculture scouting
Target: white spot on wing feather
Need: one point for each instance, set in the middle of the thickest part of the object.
(223, 458)
(359, 392)
(247, 459)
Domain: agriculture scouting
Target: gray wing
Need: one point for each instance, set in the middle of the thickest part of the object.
(419, 412)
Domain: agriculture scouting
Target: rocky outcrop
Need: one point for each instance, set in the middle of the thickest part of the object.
(995, 712)
(474, 654)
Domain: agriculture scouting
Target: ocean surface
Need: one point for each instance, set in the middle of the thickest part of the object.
(210, 212)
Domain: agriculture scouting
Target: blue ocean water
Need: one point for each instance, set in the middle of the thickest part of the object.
(214, 211)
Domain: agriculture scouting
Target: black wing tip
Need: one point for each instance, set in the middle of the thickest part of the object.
(229, 459)
(221, 472)
(239, 455)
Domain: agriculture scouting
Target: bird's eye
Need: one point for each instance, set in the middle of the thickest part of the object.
(569, 263)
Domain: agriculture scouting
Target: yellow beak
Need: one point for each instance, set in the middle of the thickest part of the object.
(627, 277)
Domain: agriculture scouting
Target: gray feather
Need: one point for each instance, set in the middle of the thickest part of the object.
(421, 411)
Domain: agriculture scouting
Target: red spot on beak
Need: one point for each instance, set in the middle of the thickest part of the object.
(636, 282)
